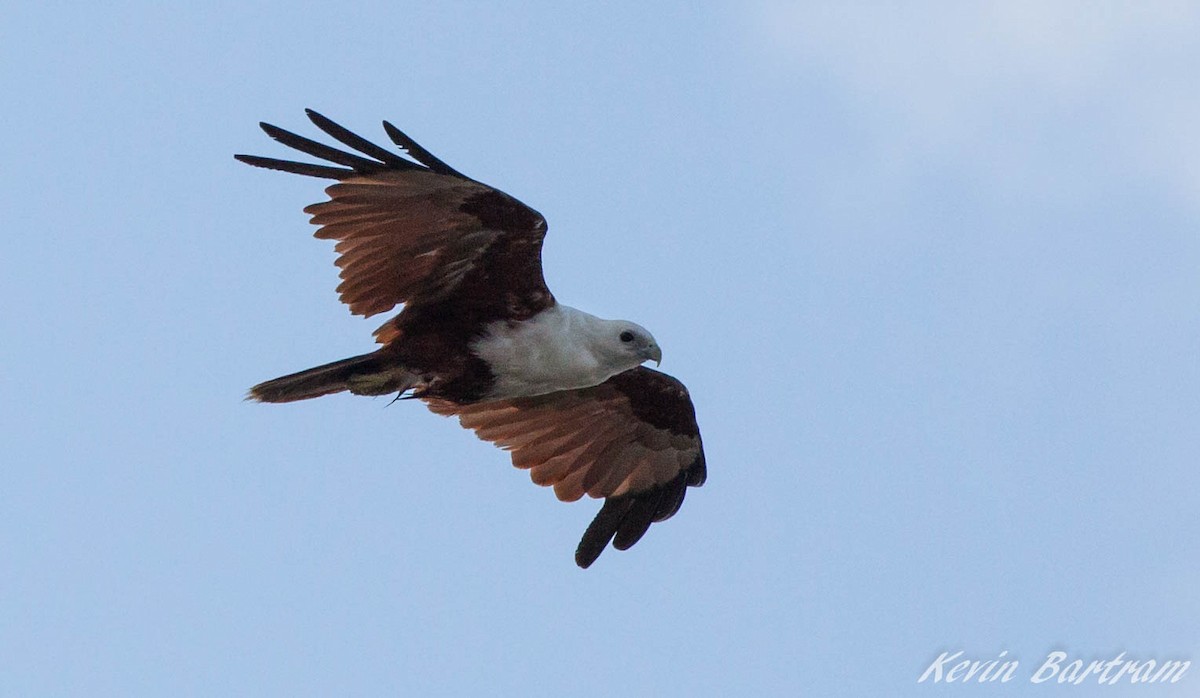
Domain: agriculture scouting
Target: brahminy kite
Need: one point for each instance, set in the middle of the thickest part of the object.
(481, 337)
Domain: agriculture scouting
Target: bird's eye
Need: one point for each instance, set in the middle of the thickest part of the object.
(626, 336)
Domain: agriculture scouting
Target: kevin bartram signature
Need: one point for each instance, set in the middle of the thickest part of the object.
(1057, 667)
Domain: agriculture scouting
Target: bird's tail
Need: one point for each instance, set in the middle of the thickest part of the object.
(368, 374)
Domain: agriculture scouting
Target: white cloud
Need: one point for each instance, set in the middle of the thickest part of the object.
(997, 81)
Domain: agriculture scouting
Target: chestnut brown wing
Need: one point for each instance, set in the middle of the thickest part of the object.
(632, 440)
(412, 230)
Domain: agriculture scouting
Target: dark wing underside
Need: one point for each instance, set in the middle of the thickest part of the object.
(415, 230)
(632, 440)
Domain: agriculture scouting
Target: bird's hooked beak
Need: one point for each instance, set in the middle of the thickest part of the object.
(655, 353)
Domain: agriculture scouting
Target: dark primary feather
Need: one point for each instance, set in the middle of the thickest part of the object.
(320, 150)
(421, 155)
(300, 168)
(600, 531)
(624, 520)
(357, 142)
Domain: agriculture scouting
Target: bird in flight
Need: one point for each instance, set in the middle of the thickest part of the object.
(481, 337)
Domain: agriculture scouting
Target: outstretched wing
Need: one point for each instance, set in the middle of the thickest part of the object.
(632, 439)
(415, 230)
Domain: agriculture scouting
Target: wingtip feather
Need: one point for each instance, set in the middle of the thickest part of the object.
(600, 532)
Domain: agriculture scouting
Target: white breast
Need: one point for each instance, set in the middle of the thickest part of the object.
(554, 350)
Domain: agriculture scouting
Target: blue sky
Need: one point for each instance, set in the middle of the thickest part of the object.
(930, 271)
